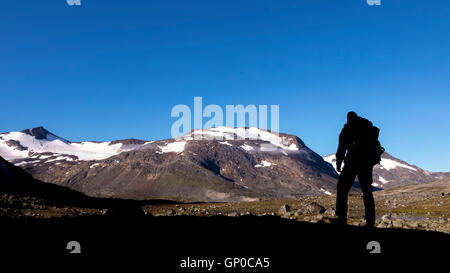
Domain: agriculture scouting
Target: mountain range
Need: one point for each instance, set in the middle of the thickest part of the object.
(392, 172)
(216, 164)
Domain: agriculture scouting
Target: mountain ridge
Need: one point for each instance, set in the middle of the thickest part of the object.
(215, 164)
(243, 164)
(393, 172)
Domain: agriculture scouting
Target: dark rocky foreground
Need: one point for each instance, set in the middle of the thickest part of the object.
(163, 242)
(38, 220)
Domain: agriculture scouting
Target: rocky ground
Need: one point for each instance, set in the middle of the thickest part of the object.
(17, 206)
(409, 211)
(415, 209)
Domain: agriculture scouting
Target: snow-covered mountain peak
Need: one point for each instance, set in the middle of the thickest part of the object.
(42, 134)
(279, 140)
(30, 142)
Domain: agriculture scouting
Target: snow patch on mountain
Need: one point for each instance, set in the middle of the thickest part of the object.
(389, 164)
(94, 165)
(385, 163)
(246, 147)
(382, 180)
(264, 163)
(325, 191)
(52, 144)
(225, 143)
(177, 147)
(331, 159)
(27, 162)
(60, 158)
(10, 153)
(252, 133)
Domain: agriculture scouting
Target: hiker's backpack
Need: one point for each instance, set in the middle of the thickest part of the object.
(368, 143)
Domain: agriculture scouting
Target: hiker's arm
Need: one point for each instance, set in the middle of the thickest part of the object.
(340, 154)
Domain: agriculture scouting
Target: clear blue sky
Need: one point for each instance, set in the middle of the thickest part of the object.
(114, 69)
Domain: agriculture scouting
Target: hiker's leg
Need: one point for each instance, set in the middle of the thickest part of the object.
(365, 180)
(345, 182)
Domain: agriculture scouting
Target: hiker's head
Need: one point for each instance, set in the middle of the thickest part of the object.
(351, 116)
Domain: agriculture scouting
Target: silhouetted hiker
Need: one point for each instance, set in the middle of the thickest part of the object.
(360, 150)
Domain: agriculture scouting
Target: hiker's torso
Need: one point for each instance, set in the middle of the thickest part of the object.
(356, 142)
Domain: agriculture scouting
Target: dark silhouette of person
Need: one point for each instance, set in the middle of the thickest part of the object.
(354, 152)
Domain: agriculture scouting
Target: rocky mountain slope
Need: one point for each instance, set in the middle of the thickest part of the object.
(393, 172)
(23, 196)
(218, 164)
